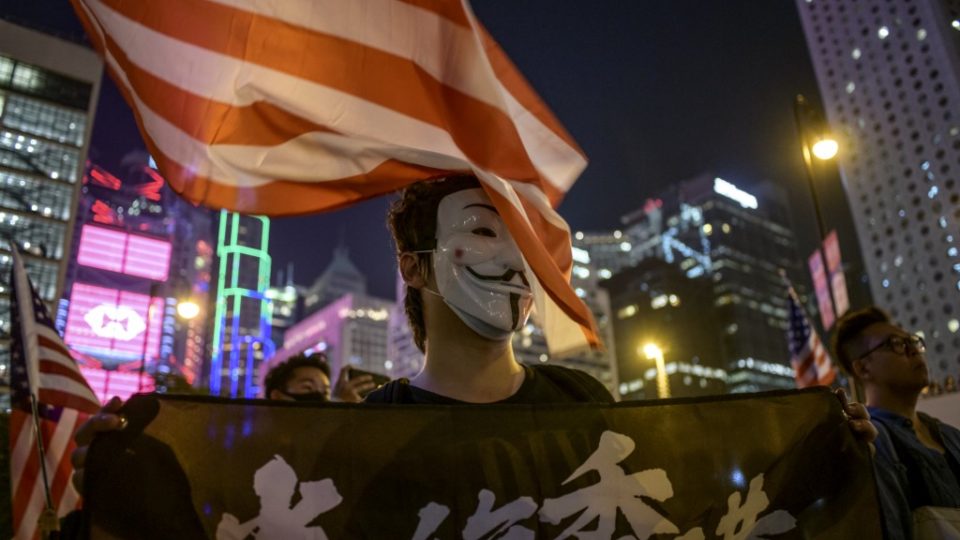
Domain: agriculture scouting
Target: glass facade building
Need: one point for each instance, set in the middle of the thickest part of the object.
(889, 76)
(709, 229)
(48, 94)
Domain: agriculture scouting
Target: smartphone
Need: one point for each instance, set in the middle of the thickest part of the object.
(378, 379)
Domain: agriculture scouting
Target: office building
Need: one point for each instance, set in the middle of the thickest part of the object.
(656, 303)
(889, 76)
(140, 251)
(48, 94)
(341, 277)
(352, 331)
(708, 227)
(242, 318)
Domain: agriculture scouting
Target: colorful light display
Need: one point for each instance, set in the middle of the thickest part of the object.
(125, 253)
(113, 323)
(241, 331)
(122, 384)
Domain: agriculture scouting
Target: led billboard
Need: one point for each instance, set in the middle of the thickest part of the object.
(125, 253)
(113, 323)
(106, 384)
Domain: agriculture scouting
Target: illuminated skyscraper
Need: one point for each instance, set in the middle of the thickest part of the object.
(135, 239)
(339, 278)
(352, 331)
(241, 324)
(708, 227)
(889, 75)
(48, 93)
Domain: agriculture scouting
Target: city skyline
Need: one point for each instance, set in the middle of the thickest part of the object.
(669, 115)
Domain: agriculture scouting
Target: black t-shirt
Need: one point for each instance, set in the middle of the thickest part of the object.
(541, 384)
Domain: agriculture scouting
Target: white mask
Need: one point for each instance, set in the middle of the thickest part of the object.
(478, 266)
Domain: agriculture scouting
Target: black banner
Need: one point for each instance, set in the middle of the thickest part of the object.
(775, 465)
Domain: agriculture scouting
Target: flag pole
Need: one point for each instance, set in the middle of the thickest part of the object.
(47, 521)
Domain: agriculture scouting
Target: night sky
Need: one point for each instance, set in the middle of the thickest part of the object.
(654, 92)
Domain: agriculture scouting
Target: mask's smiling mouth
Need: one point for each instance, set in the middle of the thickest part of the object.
(505, 278)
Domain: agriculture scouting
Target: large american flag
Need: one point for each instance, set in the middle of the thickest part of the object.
(285, 107)
(808, 356)
(41, 364)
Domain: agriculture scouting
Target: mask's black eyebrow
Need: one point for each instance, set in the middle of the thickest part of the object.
(480, 205)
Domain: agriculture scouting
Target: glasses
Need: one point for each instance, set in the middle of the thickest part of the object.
(900, 344)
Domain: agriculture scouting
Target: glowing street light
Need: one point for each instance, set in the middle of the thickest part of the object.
(826, 148)
(188, 309)
(653, 352)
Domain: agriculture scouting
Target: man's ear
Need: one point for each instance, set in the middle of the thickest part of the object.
(861, 369)
(410, 270)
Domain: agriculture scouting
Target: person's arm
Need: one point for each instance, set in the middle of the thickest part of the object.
(107, 419)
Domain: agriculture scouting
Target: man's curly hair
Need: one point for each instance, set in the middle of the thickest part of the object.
(279, 375)
(412, 220)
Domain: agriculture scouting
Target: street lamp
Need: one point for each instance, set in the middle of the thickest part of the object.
(188, 309)
(826, 148)
(816, 142)
(653, 352)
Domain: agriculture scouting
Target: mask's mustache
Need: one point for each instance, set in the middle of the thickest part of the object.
(505, 277)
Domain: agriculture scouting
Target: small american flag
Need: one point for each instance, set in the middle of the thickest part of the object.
(285, 107)
(809, 358)
(41, 364)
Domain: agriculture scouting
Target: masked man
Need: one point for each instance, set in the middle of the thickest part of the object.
(307, 378)
(467, 293)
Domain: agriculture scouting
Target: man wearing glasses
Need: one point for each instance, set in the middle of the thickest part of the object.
(918, 457)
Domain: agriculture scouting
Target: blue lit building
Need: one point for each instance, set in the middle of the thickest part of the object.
(242, 317)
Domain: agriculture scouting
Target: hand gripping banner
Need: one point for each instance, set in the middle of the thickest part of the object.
(776, 465)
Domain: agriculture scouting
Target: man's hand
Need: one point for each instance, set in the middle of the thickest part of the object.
(349, 389)
(857, 418)
(106, 420)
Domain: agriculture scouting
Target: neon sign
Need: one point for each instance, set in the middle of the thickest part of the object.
(124, 253)
(731, 191)
(113, 323)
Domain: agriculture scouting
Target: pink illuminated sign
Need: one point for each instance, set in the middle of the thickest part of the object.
(107, 384)
(113, 323)
(125, 253)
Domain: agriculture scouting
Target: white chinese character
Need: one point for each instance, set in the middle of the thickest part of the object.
(615, 491)
(499, 522)
(741, 523)
(275, 484)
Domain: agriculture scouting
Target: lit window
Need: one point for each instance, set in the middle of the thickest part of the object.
(855, 54)
(544, 357)
(921, 34)
(617, 234)
(659, 301)
(933, 192)
(898, 261)
(627, 312)
(886, 283)
(579, 235)
(851, 87)
(953, 325)
(955, 24)
(883, 32)
(726, 228)
(707, 229)
(625, 246)
(605, 273)
(674, 300)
